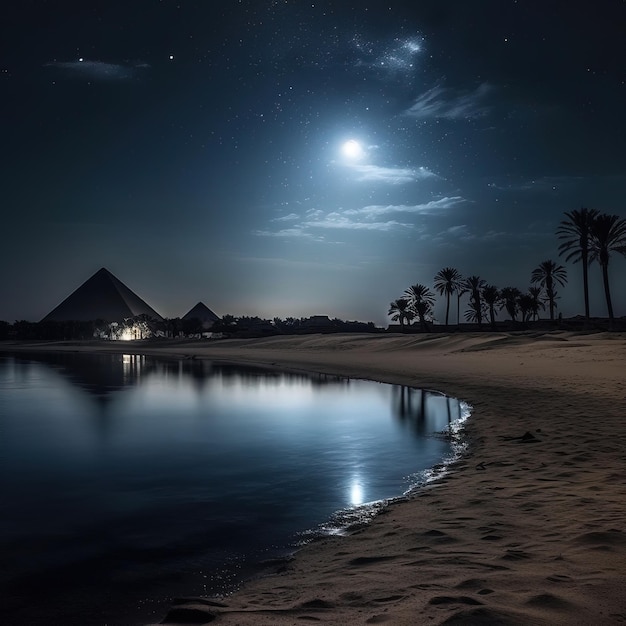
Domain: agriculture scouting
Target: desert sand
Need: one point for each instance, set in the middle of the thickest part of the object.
(528, 526)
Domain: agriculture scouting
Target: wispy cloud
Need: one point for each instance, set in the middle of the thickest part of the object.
(289, 233)
(446, 103)
(383, 218)
(343, 221)
(463, 232)
(97, 70)
(390, 175)
(433, 206)
(287, 218)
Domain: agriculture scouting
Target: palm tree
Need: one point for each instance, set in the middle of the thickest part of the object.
(547, 273)
(608, 234)
(510, 301)
(474, 284)
(576, 234)
(525, 303)
(448, 280)
(535, 294)
(401, 312)
(472, 313)
(421, 300)
(491, 297)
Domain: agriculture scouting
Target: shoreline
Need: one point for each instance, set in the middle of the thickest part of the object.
(528, 527)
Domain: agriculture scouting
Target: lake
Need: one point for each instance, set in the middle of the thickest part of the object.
(127, 480)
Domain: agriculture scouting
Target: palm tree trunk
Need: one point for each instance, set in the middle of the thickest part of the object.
(586, 284)
(551, 299)
(607, 292)
(458, 309)
(550, 293)
(479, 315)
(447, 306)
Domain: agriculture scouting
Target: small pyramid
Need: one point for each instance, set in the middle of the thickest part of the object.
(101, 297)
(202, 312)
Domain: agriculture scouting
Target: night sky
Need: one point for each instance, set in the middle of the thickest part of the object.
(292, 158)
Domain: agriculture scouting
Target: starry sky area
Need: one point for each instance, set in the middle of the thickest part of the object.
(293, 158)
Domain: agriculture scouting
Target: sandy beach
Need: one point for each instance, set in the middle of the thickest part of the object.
(528, 527)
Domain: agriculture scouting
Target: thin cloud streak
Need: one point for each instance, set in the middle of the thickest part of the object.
(340, 221)
(391, 175)
(433, 206)
(97, 70)
(287, 218)
(289, 233)
(462, 232)
(446, 103)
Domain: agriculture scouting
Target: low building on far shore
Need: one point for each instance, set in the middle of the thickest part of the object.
(318, 324)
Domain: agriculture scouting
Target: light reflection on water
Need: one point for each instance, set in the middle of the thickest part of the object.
(125, 476)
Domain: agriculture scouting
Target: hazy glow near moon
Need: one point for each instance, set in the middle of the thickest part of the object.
(352, 149)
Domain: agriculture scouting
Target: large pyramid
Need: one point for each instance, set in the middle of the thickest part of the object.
(102, 297)
(202, 312)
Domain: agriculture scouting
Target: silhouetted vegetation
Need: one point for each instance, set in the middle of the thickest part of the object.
(448, 281)
(245, 326)
(575, 232)
(421, 301)
(400, 311)
(5, 329)
(548, 274)
(587, 236)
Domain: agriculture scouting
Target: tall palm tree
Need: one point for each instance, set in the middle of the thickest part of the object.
(535, 295)
(474, 284)
(421, 300)
(548, 274)
(608, 234)
(400, 311)
(509, 300)
(491, 297)
(575, 232)
(448, 281)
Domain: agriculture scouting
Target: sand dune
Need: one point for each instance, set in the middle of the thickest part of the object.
(528, 528)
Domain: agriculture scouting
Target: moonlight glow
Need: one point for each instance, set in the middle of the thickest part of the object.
(356, 494)
(352, 149)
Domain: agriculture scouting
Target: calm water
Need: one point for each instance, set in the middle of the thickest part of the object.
(127, 480)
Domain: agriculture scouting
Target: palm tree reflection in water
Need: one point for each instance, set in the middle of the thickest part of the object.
(412, 407)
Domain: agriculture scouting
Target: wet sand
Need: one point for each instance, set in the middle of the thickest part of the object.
(527, 528)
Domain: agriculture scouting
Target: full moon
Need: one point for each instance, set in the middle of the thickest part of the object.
(352, 149)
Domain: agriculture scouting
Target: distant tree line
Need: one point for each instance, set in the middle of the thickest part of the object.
(138, 327)
(587, 236)
(143, 327)
(230, 325)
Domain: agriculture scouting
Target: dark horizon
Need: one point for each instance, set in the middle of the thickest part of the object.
(291, 159)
